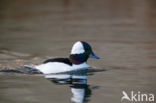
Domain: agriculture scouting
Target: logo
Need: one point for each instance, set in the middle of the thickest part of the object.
(137, 96)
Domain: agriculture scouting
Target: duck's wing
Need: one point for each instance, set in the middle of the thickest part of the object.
(61, 60)
(53, 67)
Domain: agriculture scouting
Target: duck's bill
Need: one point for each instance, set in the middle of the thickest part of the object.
(92, 55)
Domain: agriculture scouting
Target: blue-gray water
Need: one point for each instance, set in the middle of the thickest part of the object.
(121, 32)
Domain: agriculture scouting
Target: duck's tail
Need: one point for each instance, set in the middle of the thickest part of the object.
(29, 67)
(32, 69)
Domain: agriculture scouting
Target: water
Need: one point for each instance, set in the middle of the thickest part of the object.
(121, 32)
(100, 87)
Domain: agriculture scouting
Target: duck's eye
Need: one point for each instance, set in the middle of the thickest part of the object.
(88, 52)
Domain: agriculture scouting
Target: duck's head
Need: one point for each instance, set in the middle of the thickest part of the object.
(80, 52)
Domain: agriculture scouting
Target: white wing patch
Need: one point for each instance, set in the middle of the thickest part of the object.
(53, 67)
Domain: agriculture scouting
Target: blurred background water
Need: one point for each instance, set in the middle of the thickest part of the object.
(122, 33)
(116, 29)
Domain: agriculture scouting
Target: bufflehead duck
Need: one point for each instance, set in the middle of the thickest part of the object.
(80, 52)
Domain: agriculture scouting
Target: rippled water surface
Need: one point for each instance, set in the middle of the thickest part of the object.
(121, 32)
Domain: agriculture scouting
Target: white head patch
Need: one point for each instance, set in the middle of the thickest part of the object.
(77, 48)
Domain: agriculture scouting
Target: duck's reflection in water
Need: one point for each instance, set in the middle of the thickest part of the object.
(77, 80)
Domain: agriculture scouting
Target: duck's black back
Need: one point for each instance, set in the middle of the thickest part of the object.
(61, 60)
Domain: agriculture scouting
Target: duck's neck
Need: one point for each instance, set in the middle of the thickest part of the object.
(78, 58)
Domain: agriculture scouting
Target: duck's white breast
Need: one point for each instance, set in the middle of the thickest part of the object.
(81, 66)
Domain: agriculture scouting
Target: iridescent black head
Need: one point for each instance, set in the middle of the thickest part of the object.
(80, 52)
